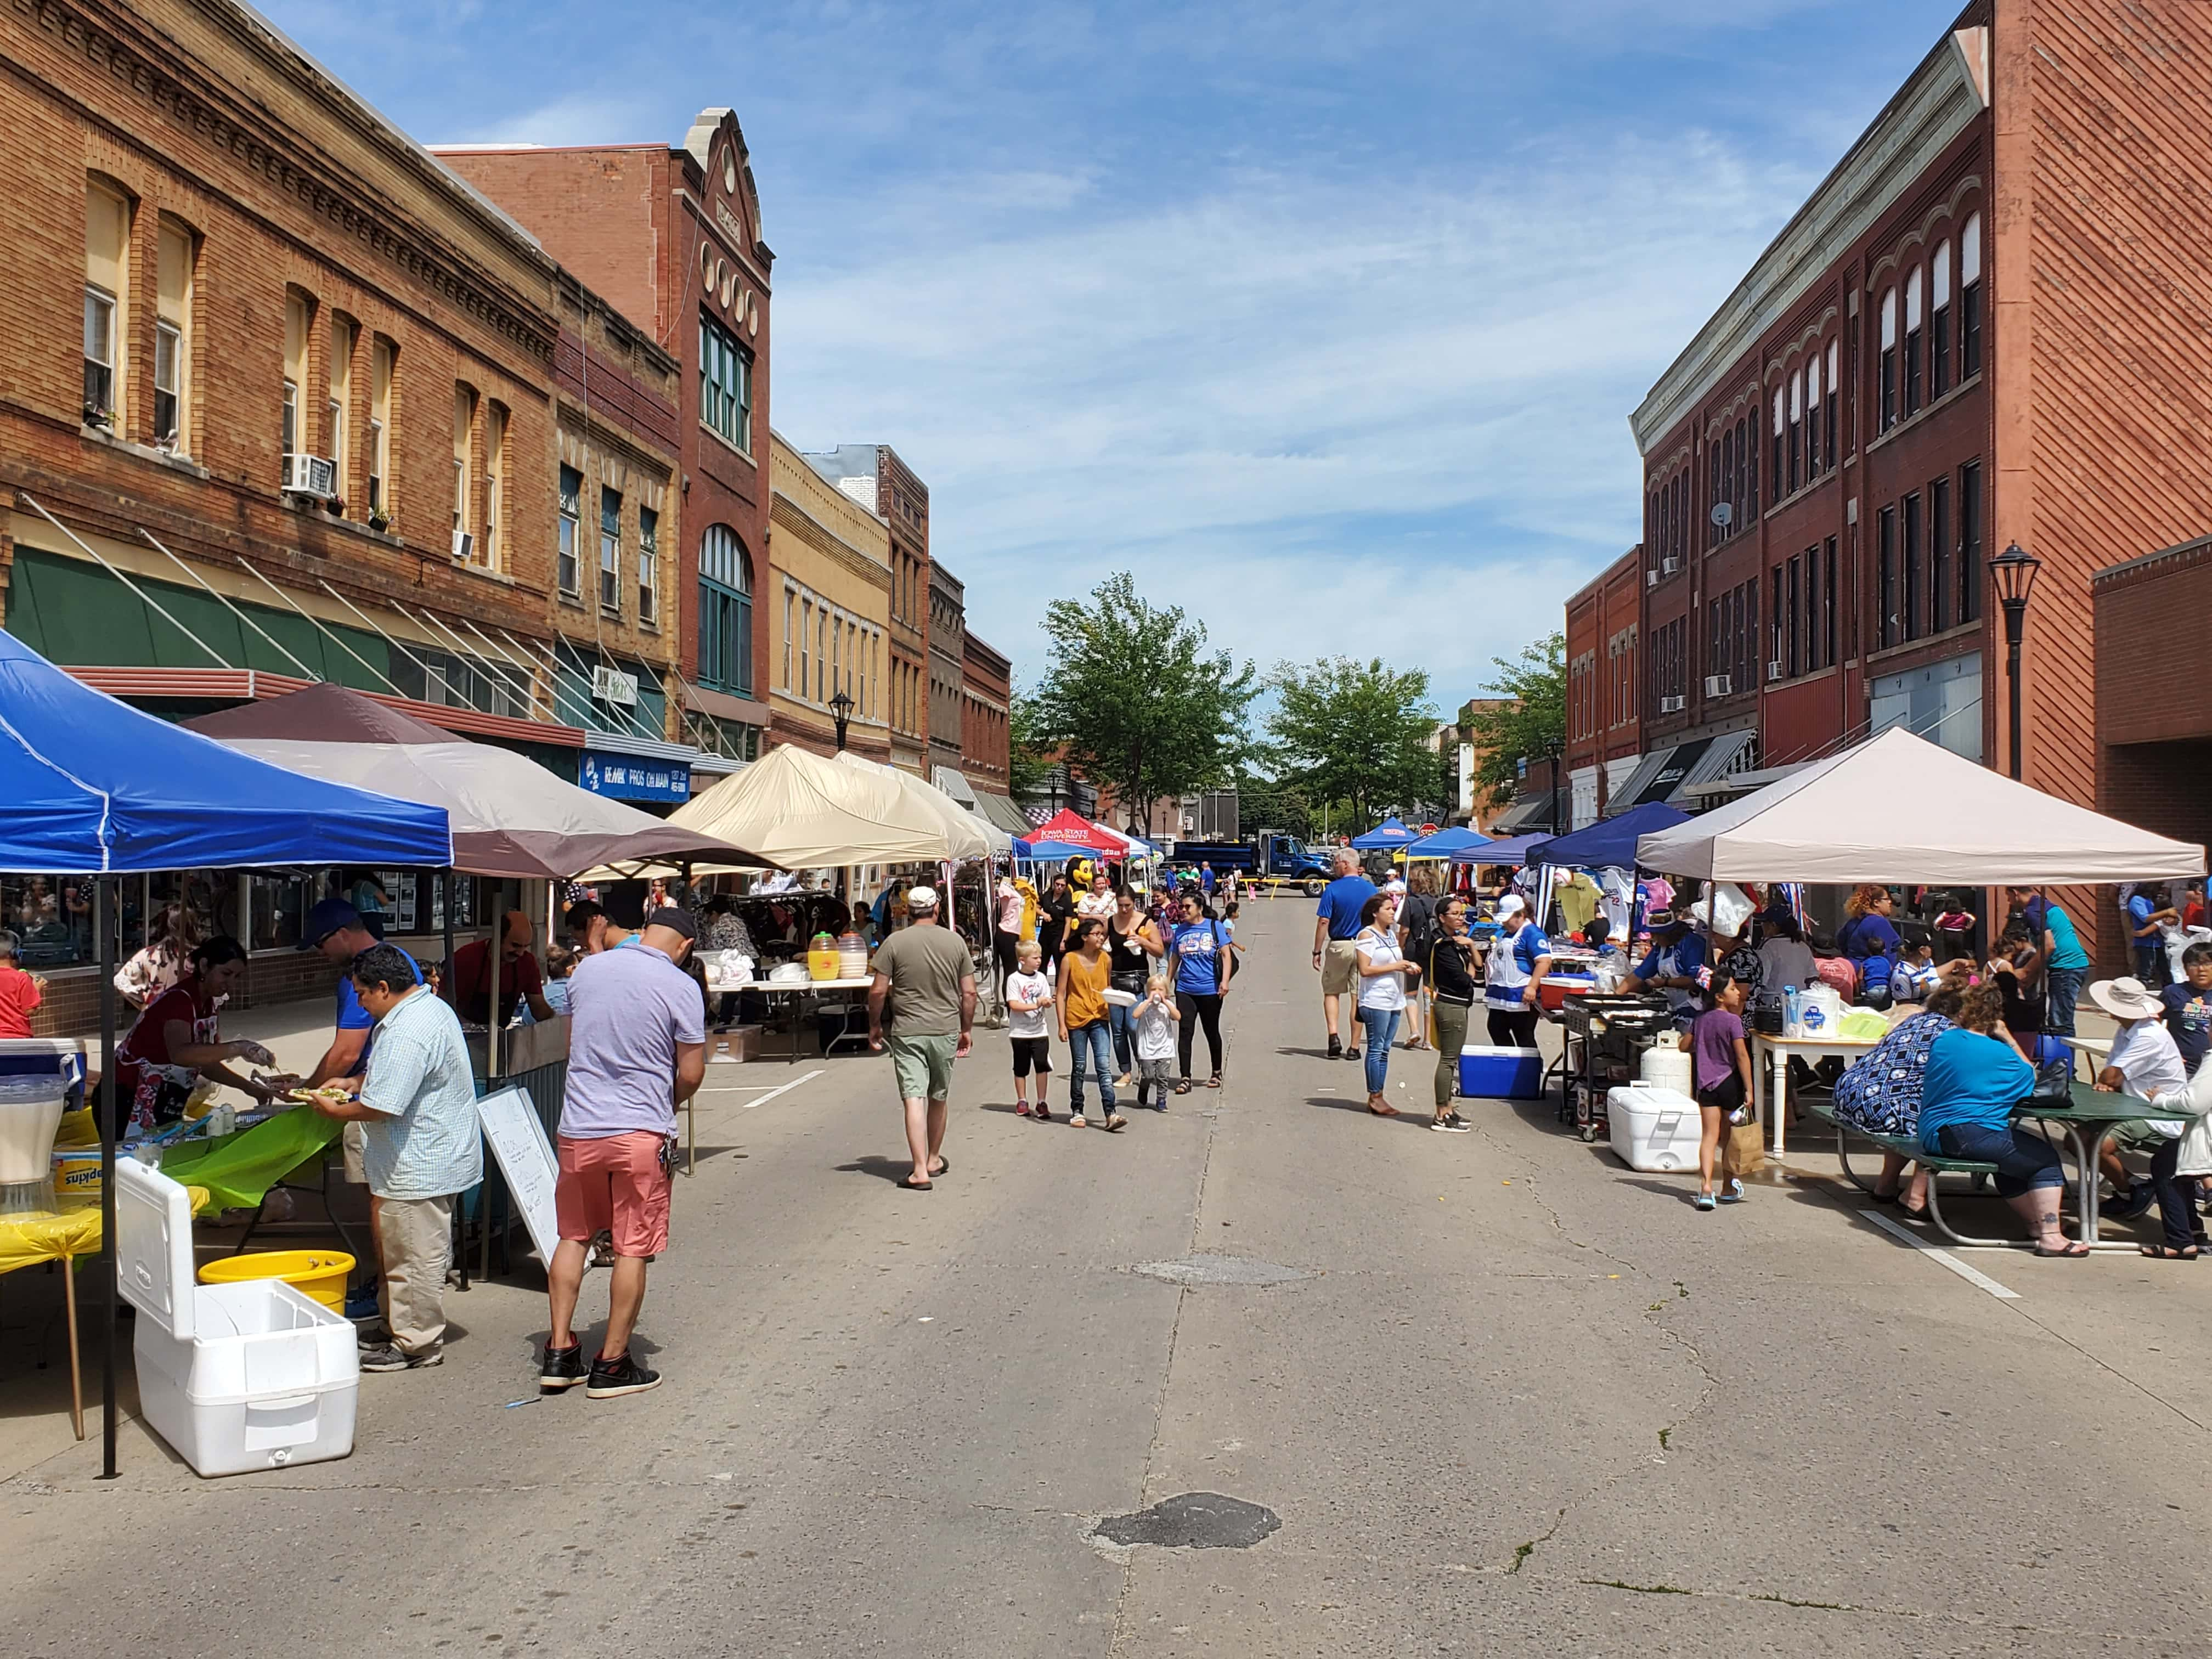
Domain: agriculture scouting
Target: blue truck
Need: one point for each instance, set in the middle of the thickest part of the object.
(1268, 854)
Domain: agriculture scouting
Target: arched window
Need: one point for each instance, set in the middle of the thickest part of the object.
(1939, 322)
(1797, 428)
(1779, 472)
(1888, 400)
(1813, 416)
(726, 612)
(1914, 288)
(1835, 382)
(1970, 298)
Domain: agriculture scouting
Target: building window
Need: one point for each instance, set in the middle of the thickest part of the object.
(1781, 473)
(648, 562)
(1835, 402)
(820, 653)
(726, 612)
(1915, 286)
(1939, 322)
(806, 649)
(1886, 578)
(611, 550)
(1797, 430)
(172, 335)
(1970, 535)
(106, 270)
(790, 626)
(383, 359)
(340, 396)
(1970, 298)
(1888, 393)
(489, 550)
(1813, 417)
(1939, 576)
(465, 426)
(1828, 606)
(1812, 607)
(572, 512)
(299, 317)
(726, 383)
(1915, 612)
(1792, 663)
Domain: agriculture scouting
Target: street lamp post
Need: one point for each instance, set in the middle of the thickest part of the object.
(2014, 572)
(1553, 749)
(840, 707)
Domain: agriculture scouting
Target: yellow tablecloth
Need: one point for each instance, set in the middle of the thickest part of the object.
(39, 1235)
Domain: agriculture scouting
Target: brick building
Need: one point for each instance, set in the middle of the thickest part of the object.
(1604, 687)
(1974, 333)
(671, 236)
(987, 687)
(873, 475)
(830, 591)
(948, 629)
(313, 428)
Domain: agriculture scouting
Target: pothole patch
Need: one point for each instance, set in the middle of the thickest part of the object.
(1192, 1521)
(1203, 1269)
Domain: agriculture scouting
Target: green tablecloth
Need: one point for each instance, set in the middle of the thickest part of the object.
(238, 1170)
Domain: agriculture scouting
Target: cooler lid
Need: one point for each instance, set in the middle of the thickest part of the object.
(153, 1266)
(40, 1056)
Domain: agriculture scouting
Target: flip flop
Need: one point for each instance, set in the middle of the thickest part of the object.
(914, 1186)
(944, 1167)
(2076, 1250)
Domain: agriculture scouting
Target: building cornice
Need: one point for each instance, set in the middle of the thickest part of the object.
(1939, 102)
(792, 516)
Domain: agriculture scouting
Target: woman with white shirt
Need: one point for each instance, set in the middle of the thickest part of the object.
(1383, 971)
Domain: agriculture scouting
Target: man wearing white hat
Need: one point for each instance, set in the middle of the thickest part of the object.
(2145, 1063)
(925, 974)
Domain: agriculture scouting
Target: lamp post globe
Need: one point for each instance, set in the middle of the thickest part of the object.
(2013, 574)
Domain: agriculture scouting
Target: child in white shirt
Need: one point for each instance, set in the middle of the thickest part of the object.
(1915, 977)
(1029, 994)
(1155, 1021)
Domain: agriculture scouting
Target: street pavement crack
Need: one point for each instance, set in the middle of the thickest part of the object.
(1532, 1184)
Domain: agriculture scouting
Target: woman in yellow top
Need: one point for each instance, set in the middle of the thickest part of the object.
(1083, 1027)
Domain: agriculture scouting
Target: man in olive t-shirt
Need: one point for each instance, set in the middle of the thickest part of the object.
(925, 973)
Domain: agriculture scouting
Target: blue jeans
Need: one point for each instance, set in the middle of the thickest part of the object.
(2150, 965)
(1122, 1023)
(2063, 988)
(2024, 1161)
(1381, 1025)
(1088, 1047)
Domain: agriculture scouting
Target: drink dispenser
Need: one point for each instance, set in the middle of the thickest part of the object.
(36, 1076)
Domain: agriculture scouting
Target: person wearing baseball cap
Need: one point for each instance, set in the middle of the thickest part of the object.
(1677, 953)
(926, 981)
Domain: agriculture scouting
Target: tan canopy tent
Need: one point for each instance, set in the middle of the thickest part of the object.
(1897, 808)
(806, 812)
(966, 835)
(510, 816)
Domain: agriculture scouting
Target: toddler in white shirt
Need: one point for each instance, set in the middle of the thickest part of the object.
(1155, 1019)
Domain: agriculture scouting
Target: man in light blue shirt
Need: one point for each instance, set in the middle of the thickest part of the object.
(422, 1146)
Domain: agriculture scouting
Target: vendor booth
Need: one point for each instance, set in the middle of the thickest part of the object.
(96, 786)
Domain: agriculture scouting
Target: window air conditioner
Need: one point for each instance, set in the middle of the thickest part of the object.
(1673, 705)
(1668, 566)
(1774, 669)
(1717, 685)
(311, 474)
(464, 546)
(1651, 579)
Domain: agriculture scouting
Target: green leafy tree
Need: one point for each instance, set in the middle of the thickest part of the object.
(1528, 724)
(1356, 733)
(1265, 804)
(1029, 760)
(1135, 701)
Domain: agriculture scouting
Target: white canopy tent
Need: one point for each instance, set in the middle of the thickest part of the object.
(966, 836)
(1897, 808)
(808, 812)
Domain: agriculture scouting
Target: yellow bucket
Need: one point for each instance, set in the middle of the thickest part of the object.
(320, 1275)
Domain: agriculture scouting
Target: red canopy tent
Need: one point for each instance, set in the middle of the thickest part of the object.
(1072, 830)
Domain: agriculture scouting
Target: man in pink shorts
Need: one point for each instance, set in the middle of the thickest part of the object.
(637, 1047)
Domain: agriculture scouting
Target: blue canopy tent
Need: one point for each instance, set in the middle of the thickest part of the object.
(1050, 852)
(1515, 851)
(1390, 833)
(1611, 843)
(1445, 843)
(94, 786)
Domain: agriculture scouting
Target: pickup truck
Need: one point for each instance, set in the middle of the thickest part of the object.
(1268, 854)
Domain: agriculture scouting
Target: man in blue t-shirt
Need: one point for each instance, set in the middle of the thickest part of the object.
(2146, 933)
(2189, 1005)
(1336, 924)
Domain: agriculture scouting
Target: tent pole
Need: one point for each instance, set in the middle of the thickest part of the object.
(109, 916)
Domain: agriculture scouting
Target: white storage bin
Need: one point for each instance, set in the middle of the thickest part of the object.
(1653, 1128)
(250, 1376)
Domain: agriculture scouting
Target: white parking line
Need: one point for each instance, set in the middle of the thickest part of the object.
(1973, 1276)
(741, 1088)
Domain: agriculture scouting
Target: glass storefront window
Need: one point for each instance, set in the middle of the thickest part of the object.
(51, 919)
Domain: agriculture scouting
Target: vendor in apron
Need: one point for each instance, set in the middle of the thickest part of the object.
(1520, 957)
(1677, 956)
(177, 1041)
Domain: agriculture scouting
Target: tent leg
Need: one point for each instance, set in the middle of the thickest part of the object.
(76, 1368)
(109, 917)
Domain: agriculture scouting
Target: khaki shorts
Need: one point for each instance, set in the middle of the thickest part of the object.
(923, 1066)
(1339, 968)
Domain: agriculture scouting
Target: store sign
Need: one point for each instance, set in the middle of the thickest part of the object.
(613, 685)
(633, 777)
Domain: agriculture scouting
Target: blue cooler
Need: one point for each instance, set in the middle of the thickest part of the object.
(1487, 1073)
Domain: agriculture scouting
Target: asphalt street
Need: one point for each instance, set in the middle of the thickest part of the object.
(1487, 1394)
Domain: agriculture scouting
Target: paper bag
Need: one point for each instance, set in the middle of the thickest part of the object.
(1746, 1151)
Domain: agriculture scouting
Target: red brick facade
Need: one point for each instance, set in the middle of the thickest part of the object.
(1604, 680)
(987, 688)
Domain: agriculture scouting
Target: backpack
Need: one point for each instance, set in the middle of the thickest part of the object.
(1419, 917)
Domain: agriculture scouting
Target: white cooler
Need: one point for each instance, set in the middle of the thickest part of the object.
(1653, 1128)
(249, 1375)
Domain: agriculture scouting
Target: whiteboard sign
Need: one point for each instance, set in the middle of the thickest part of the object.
(517, 1141)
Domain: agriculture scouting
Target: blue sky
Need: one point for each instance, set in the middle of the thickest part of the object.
(1324, 319)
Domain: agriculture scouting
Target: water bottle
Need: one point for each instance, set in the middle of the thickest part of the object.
(1790, 1015)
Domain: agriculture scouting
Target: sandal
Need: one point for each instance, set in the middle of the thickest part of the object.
(1114, 1121)
(914, 1186)
(1213, 1082)
(1077, 1122)
(1707, 1202)
(1913, 1212)
(1381, 1108)
(2074, 1251)
(2167, 1253)
(1184, 1087)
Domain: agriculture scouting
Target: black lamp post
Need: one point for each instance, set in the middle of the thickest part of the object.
(841, 706)
(2014, 572)
(1552, 750)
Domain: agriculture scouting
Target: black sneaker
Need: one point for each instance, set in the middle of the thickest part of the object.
(1351, 1054)
(2133, 1202)
(619, 1376)
(1335, 1047)
(560, 1368)
(390, 1358)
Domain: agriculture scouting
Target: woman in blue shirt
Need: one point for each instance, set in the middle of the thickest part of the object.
(1203, 967)
(1972, 1081)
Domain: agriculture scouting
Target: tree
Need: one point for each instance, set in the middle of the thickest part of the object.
(1528, 724)
(1136, 703)
(1029, 762)
(1264, 804)
(1355, 731)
